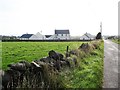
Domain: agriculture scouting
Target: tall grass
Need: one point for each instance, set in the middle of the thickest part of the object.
(89, 73)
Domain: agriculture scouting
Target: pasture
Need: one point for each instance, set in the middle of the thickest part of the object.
(88, 73)
(13, 52)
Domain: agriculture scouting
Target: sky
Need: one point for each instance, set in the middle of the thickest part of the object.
(18, 17)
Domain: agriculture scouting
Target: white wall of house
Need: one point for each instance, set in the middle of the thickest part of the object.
(86, 38)
(62, 36)
(24, 38)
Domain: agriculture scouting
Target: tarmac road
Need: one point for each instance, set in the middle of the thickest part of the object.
(111, 65)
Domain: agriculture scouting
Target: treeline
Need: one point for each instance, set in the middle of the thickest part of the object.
(113, 37)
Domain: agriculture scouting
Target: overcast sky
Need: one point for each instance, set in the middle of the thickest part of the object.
(18, 17)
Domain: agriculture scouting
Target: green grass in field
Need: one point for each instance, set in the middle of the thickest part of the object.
(89, 74)
(116, 41)
(13, 52)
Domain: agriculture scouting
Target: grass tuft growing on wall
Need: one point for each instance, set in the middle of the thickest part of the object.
(89, 73)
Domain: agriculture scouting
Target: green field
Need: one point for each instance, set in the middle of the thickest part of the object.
(89, 74)
(16, 51)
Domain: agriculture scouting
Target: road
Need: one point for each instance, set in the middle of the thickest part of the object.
(111, 65)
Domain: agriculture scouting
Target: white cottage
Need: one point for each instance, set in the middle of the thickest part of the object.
(87, 36)
(62, 34)
(37, 36)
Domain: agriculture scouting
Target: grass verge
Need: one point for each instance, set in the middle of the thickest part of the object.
(116, 41)
(89, 74)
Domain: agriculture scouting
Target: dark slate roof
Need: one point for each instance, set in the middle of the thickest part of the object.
(26, 35)
(47, 36)
(62, 32)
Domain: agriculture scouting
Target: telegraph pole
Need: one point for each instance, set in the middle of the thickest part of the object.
(101, 28)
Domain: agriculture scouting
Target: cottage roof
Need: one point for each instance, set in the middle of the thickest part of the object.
(26, 35)
(62, 32)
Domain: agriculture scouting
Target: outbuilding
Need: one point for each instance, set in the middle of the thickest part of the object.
(87, 36)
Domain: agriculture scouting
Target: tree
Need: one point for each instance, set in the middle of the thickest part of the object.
(99, 36)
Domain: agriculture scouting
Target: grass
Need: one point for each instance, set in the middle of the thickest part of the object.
(13, 52)
(89, 74)
(116, 41)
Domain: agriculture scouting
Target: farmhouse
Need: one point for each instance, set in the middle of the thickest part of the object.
(87, 36)
(62, 34)
(36, 36)
(25, 36)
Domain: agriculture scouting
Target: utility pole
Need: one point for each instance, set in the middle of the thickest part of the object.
(101, 28)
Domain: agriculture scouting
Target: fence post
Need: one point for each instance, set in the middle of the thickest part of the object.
(67, 54)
